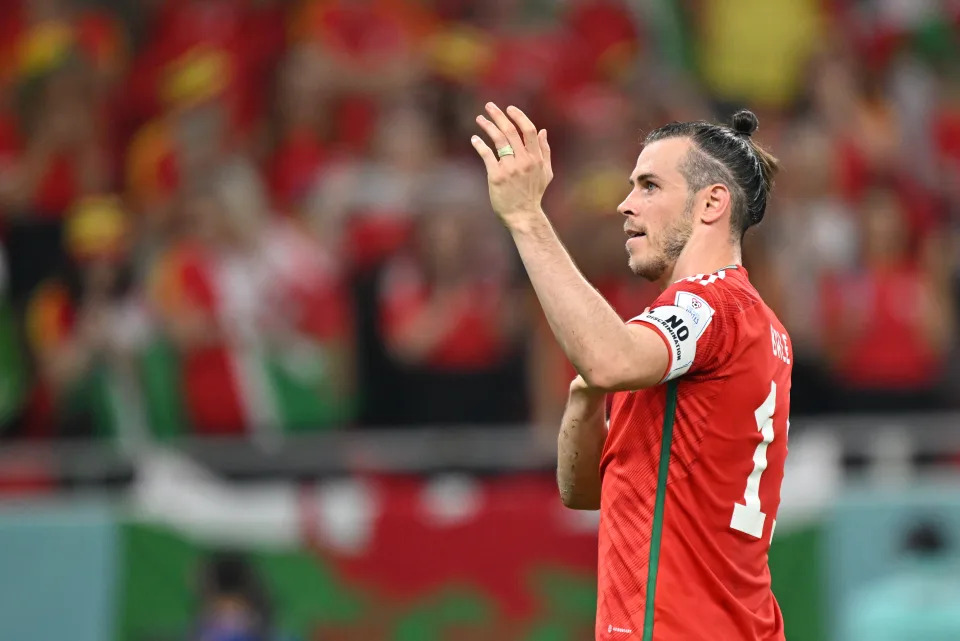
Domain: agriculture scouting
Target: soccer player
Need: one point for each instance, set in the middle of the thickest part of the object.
(687, 471)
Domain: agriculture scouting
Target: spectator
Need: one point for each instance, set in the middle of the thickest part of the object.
(368, 204)
(895, 300)
(366, 123)
(811, 233)
(189, 139)
(258, 314)
(373, 53)
(235, 44)
(57, 156)
(450, 316)
(302, 129)
(234, 605)
(88, 327)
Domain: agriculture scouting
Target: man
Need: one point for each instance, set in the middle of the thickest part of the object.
(687, 475)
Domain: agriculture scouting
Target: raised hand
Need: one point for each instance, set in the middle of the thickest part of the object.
(519, 172)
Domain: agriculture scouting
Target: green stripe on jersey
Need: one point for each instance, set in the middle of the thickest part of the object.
(662, 472)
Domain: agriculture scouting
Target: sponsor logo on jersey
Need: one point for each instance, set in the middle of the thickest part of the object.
(700, 311)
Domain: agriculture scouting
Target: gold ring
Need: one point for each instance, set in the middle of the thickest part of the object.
(505, 151)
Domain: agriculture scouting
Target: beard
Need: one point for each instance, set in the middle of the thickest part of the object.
(667, 247)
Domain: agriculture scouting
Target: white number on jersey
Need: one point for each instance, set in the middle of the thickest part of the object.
(748, 518)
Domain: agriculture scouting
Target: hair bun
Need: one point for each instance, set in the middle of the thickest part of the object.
(745, 122)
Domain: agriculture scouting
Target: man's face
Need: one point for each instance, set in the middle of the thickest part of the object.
(658, 210)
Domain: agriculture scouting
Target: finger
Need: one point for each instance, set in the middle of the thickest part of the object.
(496, 136)
(506, 126)
(527, 129)
(489, 160)
(545, 150)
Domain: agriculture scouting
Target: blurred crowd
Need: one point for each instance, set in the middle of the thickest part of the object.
(264, 216)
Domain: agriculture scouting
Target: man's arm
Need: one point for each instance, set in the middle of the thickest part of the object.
(608, 354)
(579, 445)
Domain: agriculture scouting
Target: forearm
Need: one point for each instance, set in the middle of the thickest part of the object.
(608, 354)
(590, 332)
(579, 446)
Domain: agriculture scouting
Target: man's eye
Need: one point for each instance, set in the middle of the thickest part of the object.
(649, 186)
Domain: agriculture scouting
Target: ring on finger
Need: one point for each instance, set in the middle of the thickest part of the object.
(505, 151)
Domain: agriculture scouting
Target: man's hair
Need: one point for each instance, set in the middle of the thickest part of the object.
(727, 155)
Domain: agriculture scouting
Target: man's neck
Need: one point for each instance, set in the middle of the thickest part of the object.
(700, 258)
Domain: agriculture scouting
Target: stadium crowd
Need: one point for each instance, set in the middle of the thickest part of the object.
(262, 216)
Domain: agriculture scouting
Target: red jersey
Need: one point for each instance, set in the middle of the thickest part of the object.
(691, 472)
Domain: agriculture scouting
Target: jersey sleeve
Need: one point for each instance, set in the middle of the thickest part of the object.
(695, 325)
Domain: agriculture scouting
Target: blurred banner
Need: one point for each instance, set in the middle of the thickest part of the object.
(404, 558)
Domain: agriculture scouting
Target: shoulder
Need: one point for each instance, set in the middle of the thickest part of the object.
(724, 291)
(724, 294)
(701, 295)
(699, 318)
(716, 286)
(682, 312)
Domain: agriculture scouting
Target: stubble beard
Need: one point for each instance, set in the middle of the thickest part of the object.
(672, 241)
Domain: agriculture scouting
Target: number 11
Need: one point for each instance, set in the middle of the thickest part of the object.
(748, 518)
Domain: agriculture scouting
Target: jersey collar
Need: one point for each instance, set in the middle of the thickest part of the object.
(703, 275)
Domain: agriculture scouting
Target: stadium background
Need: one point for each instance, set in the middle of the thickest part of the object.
(264, 349)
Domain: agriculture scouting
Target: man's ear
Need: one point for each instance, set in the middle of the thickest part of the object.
(716, 203)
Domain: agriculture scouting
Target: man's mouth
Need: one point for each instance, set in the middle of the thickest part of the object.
(635, 234)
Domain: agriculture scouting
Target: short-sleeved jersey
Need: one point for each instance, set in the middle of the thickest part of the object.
(691, 472)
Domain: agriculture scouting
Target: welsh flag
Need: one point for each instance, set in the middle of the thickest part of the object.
(274, 365)
(394, 558)
(364, 558)
(276, 348)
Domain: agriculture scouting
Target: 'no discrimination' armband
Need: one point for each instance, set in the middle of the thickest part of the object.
(681, 325)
